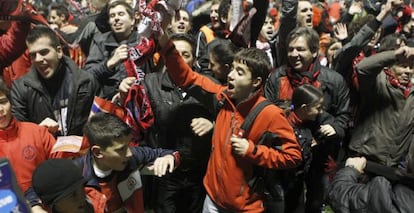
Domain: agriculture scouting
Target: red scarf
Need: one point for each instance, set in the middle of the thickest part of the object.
(139, 114)
(297, 79)
(396, 83)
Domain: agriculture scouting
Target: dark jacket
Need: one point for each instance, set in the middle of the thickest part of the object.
(32, 102)
(378, 195)
(333, 86)
(385, 127)
(173, 110)
(102, 49)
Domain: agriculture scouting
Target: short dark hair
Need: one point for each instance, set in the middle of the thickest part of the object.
(256, 60)
(187, 38)
(127, 7)
(40, 31)
(306, 94)
(223, 49)
(389, 42)
(103, 128)
(60, 10)
(310, 35)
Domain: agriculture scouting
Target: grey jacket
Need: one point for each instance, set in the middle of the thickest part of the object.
(385, 125)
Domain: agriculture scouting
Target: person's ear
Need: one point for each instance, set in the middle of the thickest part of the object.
(96, 151)
(257, 82)
(59, 51)
(303, 106)
(226, 68)
(63, 18)
(223, 20)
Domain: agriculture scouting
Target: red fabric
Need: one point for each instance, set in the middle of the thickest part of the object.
(97, 199)
(17, 69)
(134, 204)
(12, 43)
(227, 174)
(26, 145)
(396, 83)
(139, 114)
(308, 77)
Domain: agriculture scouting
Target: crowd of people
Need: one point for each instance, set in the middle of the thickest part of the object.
(209, 105)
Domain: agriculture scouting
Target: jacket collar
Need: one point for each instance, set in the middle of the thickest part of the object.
(10, 132)
(246, 105)
(111, 40)
(32, 78)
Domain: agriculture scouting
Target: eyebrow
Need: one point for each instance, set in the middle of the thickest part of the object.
(33, 52)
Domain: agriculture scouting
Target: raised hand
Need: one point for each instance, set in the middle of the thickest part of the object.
(120, 54)
(340, 31)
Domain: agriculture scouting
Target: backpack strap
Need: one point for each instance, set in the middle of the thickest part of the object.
(248, 121)
(208, 33)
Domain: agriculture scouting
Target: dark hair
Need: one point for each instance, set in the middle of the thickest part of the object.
(40, 31)
(4, 89)
(185, 37)
(127, 7)
(310, 35)
(223, 49)
(389, 42)
(223, 10)
(256, 60)
(60, 10)
(103, 128)
(190, 17)
(306, 94)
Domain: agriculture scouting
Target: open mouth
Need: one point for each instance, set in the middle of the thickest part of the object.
(230, 86)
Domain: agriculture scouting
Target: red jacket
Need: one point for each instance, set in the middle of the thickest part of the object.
(26, 145)
(227, 174)
(13, 43)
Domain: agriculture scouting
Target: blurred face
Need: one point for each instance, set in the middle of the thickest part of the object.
(116, 157)
(55, 19)
(5, 111)
(268, 30)
(121, 22)
(73, 203)
(185, 50)
(218, 70)
(403, 72)
(214, 16)
(44, 57)
(240, 83)
(305, 14)
(181, 24)
(299, 55)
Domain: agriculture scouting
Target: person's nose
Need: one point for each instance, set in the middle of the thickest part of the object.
(38, 57)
